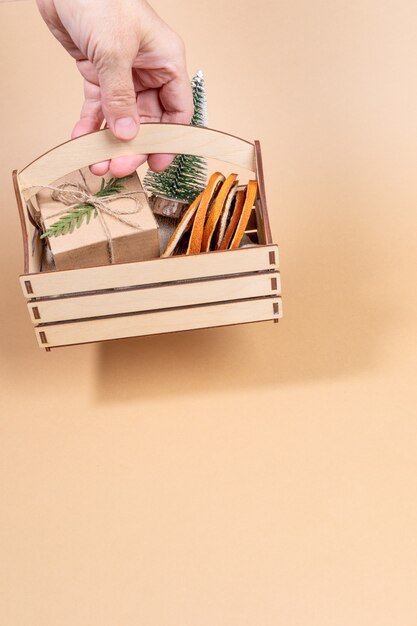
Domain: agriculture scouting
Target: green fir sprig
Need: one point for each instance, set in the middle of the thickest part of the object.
(83, 212)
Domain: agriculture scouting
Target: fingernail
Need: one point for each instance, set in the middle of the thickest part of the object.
(125, 128)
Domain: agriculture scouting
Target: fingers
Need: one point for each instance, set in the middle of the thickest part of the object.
(91, 116)
(159, 162)
(100, 169)
(123, 166)
(91, 119)
(176, 99)
(118, 98)
(171, 103)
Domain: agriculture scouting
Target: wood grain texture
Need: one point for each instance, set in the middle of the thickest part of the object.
(264, 228)
(32, 251)
(152, 138)
(151, 298)
(251, 259)
(23, 220)
(158, 322)
(131, 298)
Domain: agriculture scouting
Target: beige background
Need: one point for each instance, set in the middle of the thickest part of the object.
(258, 475)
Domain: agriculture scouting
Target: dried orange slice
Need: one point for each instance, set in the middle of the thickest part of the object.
(216, 210)
(234, 220)
(196, 237)
(182, 227)
(225, 215)
(251, 192)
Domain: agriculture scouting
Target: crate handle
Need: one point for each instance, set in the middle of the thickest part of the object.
(153, 137)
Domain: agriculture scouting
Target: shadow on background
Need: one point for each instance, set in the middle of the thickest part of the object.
(335, 315)
(332, 326)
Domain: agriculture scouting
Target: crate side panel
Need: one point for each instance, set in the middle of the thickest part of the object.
(151, 298)
(47, 284)
(158, 322)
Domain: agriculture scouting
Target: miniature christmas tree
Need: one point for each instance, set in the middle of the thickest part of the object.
(180, 183)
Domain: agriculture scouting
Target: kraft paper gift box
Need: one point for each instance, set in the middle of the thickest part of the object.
(94, 244)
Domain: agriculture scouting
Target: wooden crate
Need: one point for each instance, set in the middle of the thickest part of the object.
(148, 297)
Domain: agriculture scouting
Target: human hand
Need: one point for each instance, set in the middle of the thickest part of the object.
(134, 70)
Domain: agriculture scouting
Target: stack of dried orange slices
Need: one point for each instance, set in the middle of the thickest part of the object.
(217, 218)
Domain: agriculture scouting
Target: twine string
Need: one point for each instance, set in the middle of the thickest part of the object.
(72, 195)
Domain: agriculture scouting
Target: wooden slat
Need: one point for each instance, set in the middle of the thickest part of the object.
(32, 249)
(160, 322)
(264, 228)
(44, 284)
(152, 138)
(24, 220)
(151, 298)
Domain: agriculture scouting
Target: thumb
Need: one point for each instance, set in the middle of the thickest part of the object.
(118, 99)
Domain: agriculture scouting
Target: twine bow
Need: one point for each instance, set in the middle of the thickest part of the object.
(74, 195)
